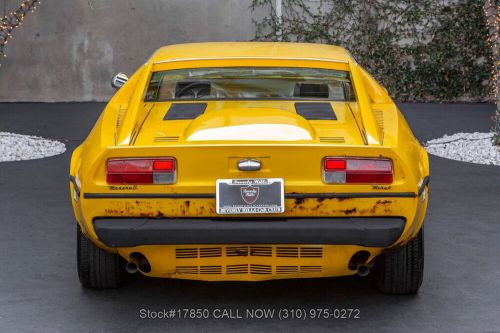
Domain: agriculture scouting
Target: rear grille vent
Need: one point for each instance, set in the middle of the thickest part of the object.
(248, 269)
(261, 269)
(309, 269)
(261, 251)
(252, 251)
(332, 139)
(237, 251)
(186, 269)
(298, 269)
(311, 252)
(198, 270)
(186, 253)
(287, 252)
(204, 252)
(166, 139)
(379, 118)
(210, 252)
(245, 251)
(119, 118)
(296, 252)
(237, 269)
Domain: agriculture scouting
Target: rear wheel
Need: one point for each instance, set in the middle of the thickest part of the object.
(97, 268)
(401, 271)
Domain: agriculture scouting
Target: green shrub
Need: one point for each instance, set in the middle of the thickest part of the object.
(420, 50)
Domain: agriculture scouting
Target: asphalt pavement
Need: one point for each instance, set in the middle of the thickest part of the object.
(40, 292)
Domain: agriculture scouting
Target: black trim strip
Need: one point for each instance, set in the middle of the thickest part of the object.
(148, 195)
(361, 131)
(313, 99)
(349, 195)
(212, 195)
(425, 182)
(77, 189)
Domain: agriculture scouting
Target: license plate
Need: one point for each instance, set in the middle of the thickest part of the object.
(250, 196)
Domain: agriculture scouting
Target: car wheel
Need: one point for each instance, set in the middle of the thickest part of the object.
(97, 268)
(401, 271)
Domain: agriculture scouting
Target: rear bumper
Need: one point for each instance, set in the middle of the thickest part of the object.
(362, 231)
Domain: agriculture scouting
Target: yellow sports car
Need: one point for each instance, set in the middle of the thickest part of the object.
(250, 161)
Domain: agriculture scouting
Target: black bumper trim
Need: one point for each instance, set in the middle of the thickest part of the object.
(75, 185)
(363, 231)
(425, 182)
(212, 195)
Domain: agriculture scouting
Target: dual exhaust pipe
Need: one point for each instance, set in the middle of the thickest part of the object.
(359, 263)
(137, 262)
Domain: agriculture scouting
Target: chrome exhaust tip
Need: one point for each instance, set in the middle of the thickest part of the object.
(131, 267)
(363, 270)
(359, 263)
(138, 262)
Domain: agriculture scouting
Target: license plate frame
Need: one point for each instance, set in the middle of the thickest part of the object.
(250, 196)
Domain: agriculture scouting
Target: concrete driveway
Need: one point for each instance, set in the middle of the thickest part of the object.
(40, 292)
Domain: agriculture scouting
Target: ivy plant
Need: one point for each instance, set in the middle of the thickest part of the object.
(420, 50)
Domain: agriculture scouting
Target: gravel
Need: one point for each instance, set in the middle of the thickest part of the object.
(17, 147)
(467, 147)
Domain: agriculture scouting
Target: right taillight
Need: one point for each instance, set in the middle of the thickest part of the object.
(351, 170)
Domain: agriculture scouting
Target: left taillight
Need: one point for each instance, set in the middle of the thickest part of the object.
(141, 171)
(351, 170)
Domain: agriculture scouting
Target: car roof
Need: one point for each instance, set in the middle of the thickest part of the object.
(275, 50)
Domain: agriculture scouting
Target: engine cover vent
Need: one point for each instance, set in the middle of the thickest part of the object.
(166, 139)
(332, 139)
(182, 111)
(315, 111)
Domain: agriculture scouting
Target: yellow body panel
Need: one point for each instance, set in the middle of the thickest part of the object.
(130, 127)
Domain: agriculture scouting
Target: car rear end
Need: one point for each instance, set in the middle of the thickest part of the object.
(326, 209)
(252, 189)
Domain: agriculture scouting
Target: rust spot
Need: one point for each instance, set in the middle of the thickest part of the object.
(299, 201)
(187, 203)
(113, 212)
(349, 211)
(343, 199)
(379, 202)
(320, 200)
(160, 214)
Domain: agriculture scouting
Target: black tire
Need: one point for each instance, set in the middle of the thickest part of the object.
(97, 268)
(401, 271)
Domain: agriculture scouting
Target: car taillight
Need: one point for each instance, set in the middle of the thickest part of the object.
(347, 170)
(141, 171)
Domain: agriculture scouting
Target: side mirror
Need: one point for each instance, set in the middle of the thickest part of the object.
(119, 80)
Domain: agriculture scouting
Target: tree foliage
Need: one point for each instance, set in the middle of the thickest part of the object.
(421, 50)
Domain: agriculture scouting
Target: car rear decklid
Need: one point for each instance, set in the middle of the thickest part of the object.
(170, 123)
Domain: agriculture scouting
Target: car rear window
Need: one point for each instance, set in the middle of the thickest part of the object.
(250, 83)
